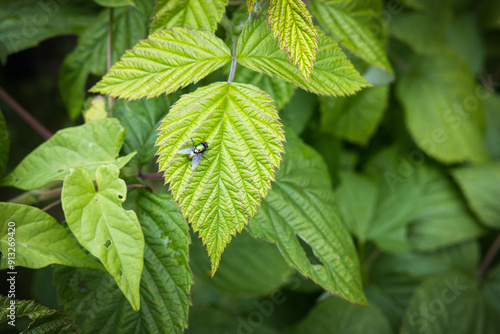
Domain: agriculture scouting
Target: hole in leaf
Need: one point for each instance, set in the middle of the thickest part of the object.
(120, 273)
(1, 255)
(107, 243)
(120, 196)
(60, 170)
(313, 259)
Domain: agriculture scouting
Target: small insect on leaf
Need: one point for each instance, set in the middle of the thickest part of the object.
(194, 153)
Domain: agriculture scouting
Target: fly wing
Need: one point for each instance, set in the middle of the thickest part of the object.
(196, 160)
(186, 150)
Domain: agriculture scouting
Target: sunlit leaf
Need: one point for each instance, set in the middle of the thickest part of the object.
(241, 127)
(332, 75)
(166, 61)
(103, 227)
(87, 146)
(292, 25)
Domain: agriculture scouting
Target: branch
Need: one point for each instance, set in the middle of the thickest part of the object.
(233, 61)
(42, 131)
(492, 252)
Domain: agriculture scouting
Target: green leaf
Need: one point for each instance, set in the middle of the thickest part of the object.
(194, 14)
(355, 118)
(465, 39)
(481, 187)
(394, 277)
(440, 216)
(297, 113)
(141, 118)
(44, 320)
(350, 27)
(264, 269)
(450, 303)
(25, 23)
(100, 224)
(281, 91)
(38, 240)
(90, 55)
(251, 5)
(97, 109)
(492, 124)
(165, 282)
(332, 74)
(292, 25)
(446, 123)
(301, 209)
(373, 212)
(336, 313)
(166, 61)
(89, 146)
(4, 145)
(241, 127)
(113, 3)
(423, 29)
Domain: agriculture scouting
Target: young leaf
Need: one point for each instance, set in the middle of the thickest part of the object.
(89, 56)
(355, 118)
(194, 14)
(250, 5)
(334, 312)
(166, 61)
(443, 109)
(241, 127)
(481, 187)
(301, 206)
(89, 146)
(165, 283)
(292, 25)
(44, 320)
(39, 239)
(332, 74)
(103, 227)
(348, 27)
(141, 118)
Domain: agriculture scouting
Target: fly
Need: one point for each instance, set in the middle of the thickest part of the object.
(194, 153)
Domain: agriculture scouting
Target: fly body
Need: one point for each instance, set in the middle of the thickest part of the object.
(194, 153)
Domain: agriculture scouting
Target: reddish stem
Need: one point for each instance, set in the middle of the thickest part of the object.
(46, 134)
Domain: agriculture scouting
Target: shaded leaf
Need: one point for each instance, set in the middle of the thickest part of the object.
(89, 146)
(281, 91)
(165, 282)
(113, 3)
(335, 313)
(194, 14)
(301, 208)
(355, 118)
(481, 187)
(38, 239)
(25, 23)
(4, 145)
(292, 25)
(166, 61)
(332, 74)
(103, 227)
(44, 320)
(492, 124)
(90, 55)
(141, 118)
(249, 266)
(446, 123)
(350, 27)
(241, 127)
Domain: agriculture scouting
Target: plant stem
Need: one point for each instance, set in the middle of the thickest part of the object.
(492, 252)
(151, 176)
(233, 61)
(51, 205)
(39, 128)
(109, 53)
